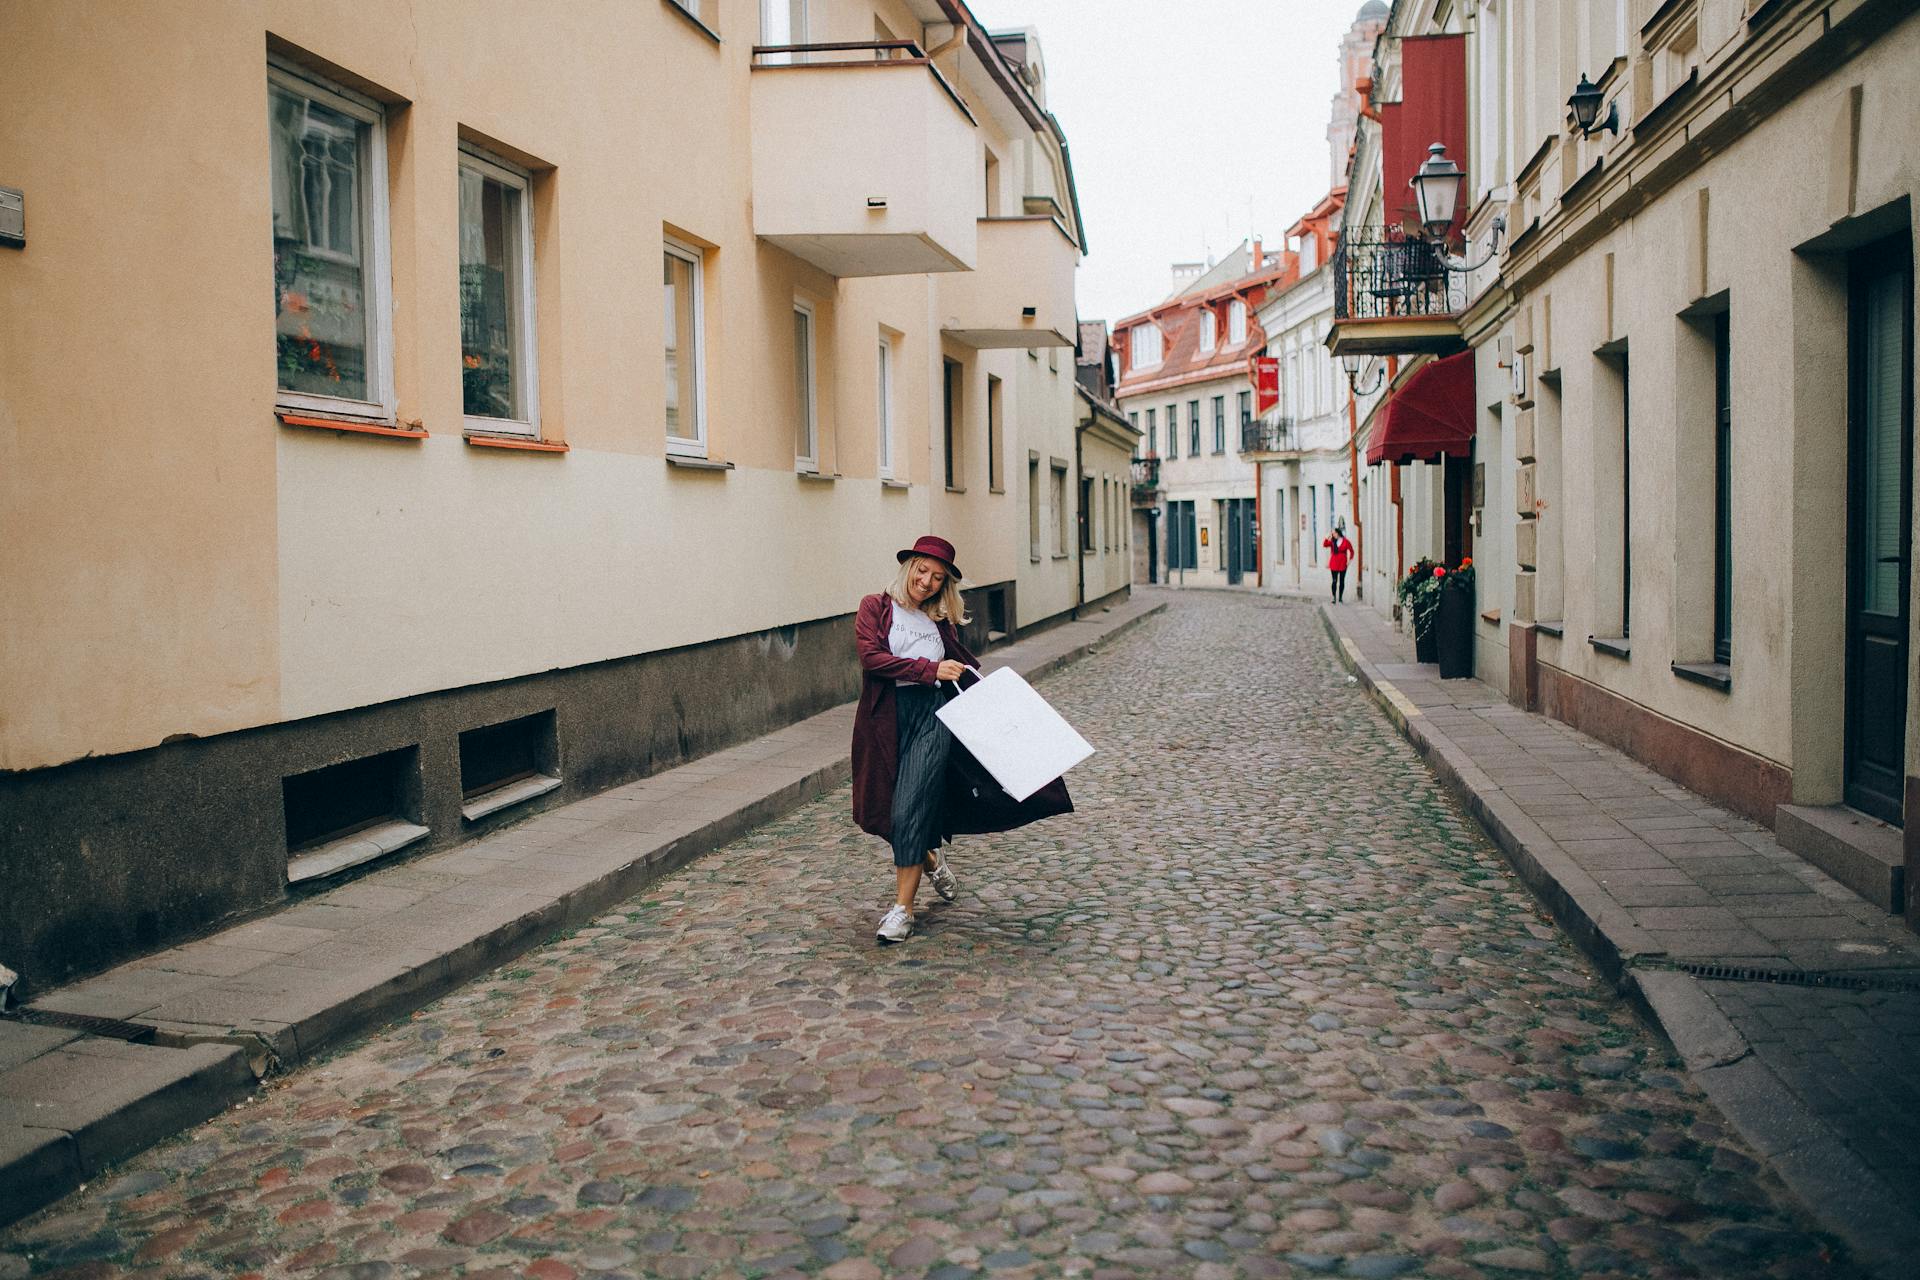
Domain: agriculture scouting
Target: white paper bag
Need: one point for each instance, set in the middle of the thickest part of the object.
(1014, 732)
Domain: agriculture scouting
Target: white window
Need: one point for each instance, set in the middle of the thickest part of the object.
(499, 381)
(1146, 345)
(333, 319)
(1236, 323)
(1060, 512)
(884, 389)
(782, 22)
(1209, 337)
(806, 433)
(686, 350)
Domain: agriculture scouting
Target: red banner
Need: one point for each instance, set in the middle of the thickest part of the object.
(1266, 383)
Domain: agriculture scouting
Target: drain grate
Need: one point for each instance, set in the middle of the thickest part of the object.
(1909, 984)
(110, 1028)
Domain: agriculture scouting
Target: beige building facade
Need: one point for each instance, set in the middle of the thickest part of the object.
(1691, 474)
(393, 500)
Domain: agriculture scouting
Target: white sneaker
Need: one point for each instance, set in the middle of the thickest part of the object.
(894, 926)
(945, 883)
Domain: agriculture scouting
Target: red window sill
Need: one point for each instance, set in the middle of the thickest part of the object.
(351, 424)
(517, 442)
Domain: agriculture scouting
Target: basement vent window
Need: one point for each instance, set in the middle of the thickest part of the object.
(348, 814)
(502, 765)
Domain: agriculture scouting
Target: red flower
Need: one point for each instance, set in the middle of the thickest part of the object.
(1438, 572)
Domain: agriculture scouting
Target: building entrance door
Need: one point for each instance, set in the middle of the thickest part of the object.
(1240, 552)
(1879, 511)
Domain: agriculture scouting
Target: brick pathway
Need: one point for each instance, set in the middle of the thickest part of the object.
(1268, 1005)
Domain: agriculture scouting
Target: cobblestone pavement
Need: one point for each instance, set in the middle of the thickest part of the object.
(1268, 1005)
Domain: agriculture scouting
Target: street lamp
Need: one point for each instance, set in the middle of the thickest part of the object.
(1585, 105)
(1352, 365)
(1437, 185)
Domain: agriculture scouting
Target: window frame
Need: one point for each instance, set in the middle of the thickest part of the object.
(473, 156)
(1209, 331)
(694, 446)
(808, 462)
(885, 406)
(1220, 423)
(1173, 429)
(1193, 428)
(376, 232)
(1236, 322)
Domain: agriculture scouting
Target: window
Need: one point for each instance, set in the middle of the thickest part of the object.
(1153, 437)
(1193, 428)
(332, 317)
(1245, 405)
(1133, 420)
(883, 417)
(1722, 493)
(1183, 549)
(1236, 323)
(783, 22)
(1173, 431)
(1209, 336)
(806, 433)
(1086, 513)
(496, 295)
(995, 481)
(1313, 525)
(1033, 508)
(1059, 509)
(1219, 424)
(1145, 343)
(686, 359)
(1280, 526)
(950, 422)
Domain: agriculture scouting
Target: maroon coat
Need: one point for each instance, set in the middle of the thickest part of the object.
(973, 803)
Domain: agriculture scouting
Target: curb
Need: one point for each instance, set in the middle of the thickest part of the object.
(204, 1069)
(1819, 1169)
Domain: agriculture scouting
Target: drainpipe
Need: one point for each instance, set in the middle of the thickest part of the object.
(949, 44)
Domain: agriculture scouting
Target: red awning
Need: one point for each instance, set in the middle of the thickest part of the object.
(1430, 417)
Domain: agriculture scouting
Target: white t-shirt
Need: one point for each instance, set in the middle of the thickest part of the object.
(914, 635)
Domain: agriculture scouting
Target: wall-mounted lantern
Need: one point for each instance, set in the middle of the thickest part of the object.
(1585, 105)
(1437, 185)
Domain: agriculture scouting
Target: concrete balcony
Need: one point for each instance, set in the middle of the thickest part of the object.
(865, 161)
(1020, 291)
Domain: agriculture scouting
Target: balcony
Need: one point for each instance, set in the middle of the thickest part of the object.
(1268, 435)
(1392, 295)
(1146, 479)
(1020, 291)
(865, 161)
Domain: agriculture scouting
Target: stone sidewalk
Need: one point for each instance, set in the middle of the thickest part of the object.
(218, 1014)
(1795, 1003)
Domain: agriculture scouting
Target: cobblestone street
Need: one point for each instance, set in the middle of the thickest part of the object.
(1267, 1005)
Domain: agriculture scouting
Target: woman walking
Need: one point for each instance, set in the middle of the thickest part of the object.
(908, 642)
(1338, 551)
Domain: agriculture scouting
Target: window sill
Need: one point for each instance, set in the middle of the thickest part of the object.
(359, 426)
(1555, 629)
(505, 797)
(1491, 615)
(520, 443)
(817, 477)
(956, 488)
(698, 25)
(996, 488)
(1059, 555)
(687, 462)
(1034, 558)
(896, 486)
(1715, 675)
(1614, 647)
(352, 850)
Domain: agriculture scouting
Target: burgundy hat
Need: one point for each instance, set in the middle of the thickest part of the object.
(938, 548)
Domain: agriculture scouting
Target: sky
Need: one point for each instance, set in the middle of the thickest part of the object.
(1190, 123)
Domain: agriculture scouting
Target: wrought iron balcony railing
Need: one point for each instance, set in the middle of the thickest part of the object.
(1146, 476)
(1268, 435)
(1387, 275)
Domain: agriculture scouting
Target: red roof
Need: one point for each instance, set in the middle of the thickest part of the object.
(1182, 361)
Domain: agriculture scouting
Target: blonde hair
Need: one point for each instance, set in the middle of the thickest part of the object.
(947, 605)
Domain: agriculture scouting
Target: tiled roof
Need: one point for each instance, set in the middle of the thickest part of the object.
(1093, 341)
(1179, 320)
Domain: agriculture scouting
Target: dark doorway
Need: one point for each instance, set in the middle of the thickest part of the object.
(1879, 512)
(1456, 481)
(1238, 524)
(1153, 546)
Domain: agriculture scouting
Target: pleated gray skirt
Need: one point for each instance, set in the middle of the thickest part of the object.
(919, 785)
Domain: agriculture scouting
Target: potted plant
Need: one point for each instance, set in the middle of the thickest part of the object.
(1453, 620)
(1419, 594)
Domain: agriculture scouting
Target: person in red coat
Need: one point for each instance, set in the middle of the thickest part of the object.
(1338, 552)
(913, 786)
